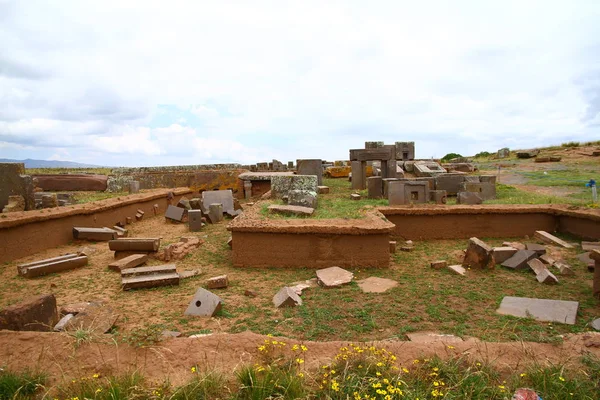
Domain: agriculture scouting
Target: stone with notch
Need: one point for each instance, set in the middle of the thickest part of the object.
(286, 297)
(174, 213)
(478, 255)
(204, 304)
(502, 254)
(561, 311)
(519, 260)
(334, 277)
(223, 197)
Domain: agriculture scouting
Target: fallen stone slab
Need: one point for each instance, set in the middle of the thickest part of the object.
(561, 311)
(439, 264)
(94, 234)
(299, 287)
(60, 326)
(195, 220)
(374, 284)
(121, 232)
(291, 210)
(457, 269)
(478, 255)
(519, 260)
(119, 255)
(150, 281)
(549, 238)
(564, 269)
(427, 337)
(34, 314)
(547, 259)
(596, 324)
(334, 277)
(174, 213)
(74, 308)
(286, 297)
(97, 318)
(157, 269)
(204, 304)
(135, 244)
(132, 261)
(217, 282)
(502, 254)
(538, 248)
(546, 277)
(536, 265)
(588, 246)
(52, 265)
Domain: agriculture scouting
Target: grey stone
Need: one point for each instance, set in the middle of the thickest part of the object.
(149, 277)
(60, 326)
(536, 266)
(375, 187)
(589, 246)
(438, 196)
(527, 153)
(196, 204)
(564, 269)
(538, 248)
(286, 297)
(195, 220)
(478, 255)
(311, 167)
(503, 153)
(487, 179)
(595, 324)
(96, 317)
(184, 203)
(121, 232)
(457, 269)
(204, 304)
(359, 175)
(215, 213)
(502, 254)
(52, 265)
(468, 198)
(134, 187)
(225, 197)
(405, 150)
(546, 259)
(303, 198)
(540, 309)
(174, 213)
(487, 191)
(374, 284)
(334, 277)
(94, 234)
(281, 185)
(520, 259)
(291, 210)
(449, 182)
(428, 168)
(386, 182)
(131, 261)
(135, 244)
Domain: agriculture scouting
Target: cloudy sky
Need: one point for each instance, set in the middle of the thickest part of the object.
(131, 83)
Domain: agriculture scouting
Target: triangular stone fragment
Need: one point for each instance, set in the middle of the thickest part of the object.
(334, 277)
(204, 304)
(287, 297)
(547, 277)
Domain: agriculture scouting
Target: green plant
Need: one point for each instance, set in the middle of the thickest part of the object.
(450, 156)
(203, 386)
(482, 154)
(144, 336)
(82, 335)
(571, 144)
(124, 387)
(20, 385)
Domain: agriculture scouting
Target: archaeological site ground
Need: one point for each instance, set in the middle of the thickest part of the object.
(376, 277)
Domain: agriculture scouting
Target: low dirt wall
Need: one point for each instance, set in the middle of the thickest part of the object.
(262, 242)
(71, 182)
(29, 232)
(450, 222)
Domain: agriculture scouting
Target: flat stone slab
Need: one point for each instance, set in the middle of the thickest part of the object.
(132, 261)
(174, 213)
(519, 260)
(150, 281)
(224, 197)
(457, 269)
(549, 238)
(52, 265)
(374, 284)
(546, 310)
(94, 234)
(538, 248)
(588, 246)
(427, 337)
(299, 287)
(96, 317)
(334, 277)
(502, 254)
(291, 210)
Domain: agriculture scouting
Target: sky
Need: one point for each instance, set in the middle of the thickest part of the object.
(146, 83)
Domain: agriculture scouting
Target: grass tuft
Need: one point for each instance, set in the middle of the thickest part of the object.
(20, 385)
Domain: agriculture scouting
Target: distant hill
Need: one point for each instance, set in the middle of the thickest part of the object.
(29, 163)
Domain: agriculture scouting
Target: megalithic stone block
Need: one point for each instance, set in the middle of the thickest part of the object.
(479, 255)
(502, 254)
(135, 244)
(35, 314)
(359, 175)
(95, 234)
(375, 187)
(52, 265)
(215, 213)
(204, 304)
(538, 248)
(195, 220)
(287, 297)
(174, 213)
(519, 260)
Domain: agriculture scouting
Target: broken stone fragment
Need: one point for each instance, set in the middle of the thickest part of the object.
(334, 277)
(546, 277)
(478, 255)
(217, 282)
(502, 254)
(286, 297)
(538, 248)
(439, 264)
(457, 269)
(355, 196)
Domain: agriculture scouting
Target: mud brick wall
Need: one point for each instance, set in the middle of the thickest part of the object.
(71, 182)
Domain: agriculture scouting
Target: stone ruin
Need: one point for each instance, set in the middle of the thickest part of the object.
(16, 188)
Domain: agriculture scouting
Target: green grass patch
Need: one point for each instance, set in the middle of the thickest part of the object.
(564, 177)
(20, 385)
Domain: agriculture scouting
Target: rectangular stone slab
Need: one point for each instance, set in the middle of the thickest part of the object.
(519, 260)
(158, 269)
(47, 261)
(174, 213)
(53, 267)
(561, 311)
(96, 234)
(588, 246)
(150, 281)
(135, 244)
(225, 197)
(548, 238)
(131, 261)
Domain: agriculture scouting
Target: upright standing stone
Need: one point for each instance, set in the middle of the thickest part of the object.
(375, 187)
(396, 193)
(479, 255)
(311, 167)
(359, 175)
(195, 220)
(134, 187)
(215, 213)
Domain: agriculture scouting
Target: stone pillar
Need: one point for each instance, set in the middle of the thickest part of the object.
(375, 187)
(392, 169)
(385, 184)
(359, 175)
(247, 190)
(396, 193)
(311, 167)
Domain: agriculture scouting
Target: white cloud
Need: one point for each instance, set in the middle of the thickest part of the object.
(267, 79)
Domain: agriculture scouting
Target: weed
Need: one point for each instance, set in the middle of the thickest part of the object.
(145, 336)
(202, 386)
(22, 385)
